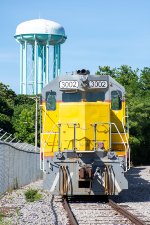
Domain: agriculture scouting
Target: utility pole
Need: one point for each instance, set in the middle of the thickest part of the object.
(36, 121)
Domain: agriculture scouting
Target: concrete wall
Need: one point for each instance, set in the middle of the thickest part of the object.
(17, 167)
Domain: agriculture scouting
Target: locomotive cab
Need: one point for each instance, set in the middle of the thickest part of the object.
(84, 142)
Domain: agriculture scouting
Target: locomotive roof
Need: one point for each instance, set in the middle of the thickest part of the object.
(54, 85)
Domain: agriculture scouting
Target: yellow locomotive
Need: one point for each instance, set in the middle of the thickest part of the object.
(84, 137)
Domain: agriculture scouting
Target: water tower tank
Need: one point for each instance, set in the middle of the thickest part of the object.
(37, 38)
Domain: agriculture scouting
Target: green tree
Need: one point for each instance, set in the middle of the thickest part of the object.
(17, 114)
(7, 97)
(124, 75)
(24, 100)
(106, 70)
(24, 123)
(24, 119)
(145, 81)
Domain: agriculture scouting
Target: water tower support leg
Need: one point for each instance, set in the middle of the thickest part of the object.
(24, 66)
(35, 67)
(56, 68)
(21, 68)
(47, 63)
(40, 70)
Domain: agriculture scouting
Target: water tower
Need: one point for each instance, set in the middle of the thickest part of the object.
(40, 51)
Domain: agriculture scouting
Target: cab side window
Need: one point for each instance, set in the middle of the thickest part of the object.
(51, 100)
(116, 102)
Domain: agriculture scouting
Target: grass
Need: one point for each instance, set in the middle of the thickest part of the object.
(32, 195)
(2, 216)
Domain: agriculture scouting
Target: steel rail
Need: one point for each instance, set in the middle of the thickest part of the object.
(126, 213)
(71, 216)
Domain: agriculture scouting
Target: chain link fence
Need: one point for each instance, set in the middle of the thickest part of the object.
(19, 163)
(13, 141)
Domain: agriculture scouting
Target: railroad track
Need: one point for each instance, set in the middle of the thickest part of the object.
(85, 212)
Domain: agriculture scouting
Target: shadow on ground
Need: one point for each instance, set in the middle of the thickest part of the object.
(139, 188)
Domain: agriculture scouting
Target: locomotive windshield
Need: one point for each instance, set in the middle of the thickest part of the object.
(95, 96)
(87, 96)
(71, 97)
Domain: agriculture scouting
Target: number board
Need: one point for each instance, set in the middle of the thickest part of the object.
(98, 84)
(68, 84)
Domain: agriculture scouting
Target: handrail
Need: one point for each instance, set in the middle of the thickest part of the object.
(129, 150)
(100, 123)
(42, 164)
(95, 126)
(126, 144)
(126, 147)
(123, 125)
(59, 130)
(119, 134)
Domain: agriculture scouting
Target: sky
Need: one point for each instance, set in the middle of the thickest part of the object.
(99, 33)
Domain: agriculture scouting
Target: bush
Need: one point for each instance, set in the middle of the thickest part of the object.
(32, 195)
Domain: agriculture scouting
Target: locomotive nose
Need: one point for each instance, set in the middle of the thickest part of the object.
(77, 125)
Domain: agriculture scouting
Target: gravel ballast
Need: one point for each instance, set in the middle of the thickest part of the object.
(48, 210)
(15, 210)
(137, 197)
